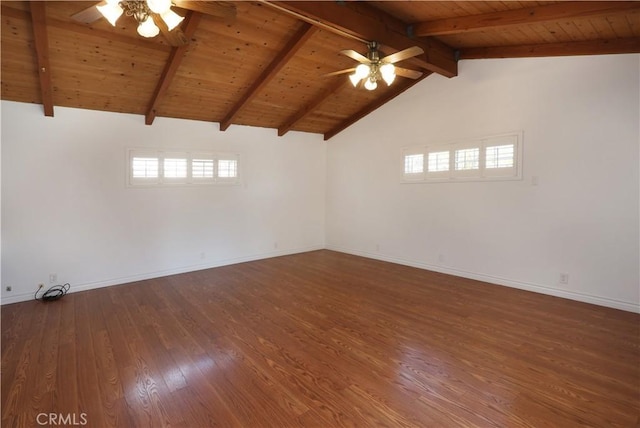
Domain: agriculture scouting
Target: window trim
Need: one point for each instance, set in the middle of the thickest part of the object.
(482, 173)
(189, 155)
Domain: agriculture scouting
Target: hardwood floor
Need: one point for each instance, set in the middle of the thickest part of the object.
(318, 339)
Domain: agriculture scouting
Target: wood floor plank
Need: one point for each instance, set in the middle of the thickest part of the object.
(319, 339)
(89, 396)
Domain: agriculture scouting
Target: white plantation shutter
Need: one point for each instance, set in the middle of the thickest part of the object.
(500, 156)
(438, 161)
(175, 168)
(496, 157)
(503, 156)
(467, 159)
(227, 168)
(413, 165)
(158, 167)
(202, 168)
(144, 167)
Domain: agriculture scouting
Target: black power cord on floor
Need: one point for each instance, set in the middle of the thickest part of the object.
(53, 293)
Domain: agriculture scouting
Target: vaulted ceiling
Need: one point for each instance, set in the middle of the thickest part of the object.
(265, 63)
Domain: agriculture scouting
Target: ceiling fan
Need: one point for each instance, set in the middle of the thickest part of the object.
(372, 68)
(155, 16)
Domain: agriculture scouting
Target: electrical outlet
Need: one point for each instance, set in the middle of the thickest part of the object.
(564, 278)
(53, 278)
(9, 288)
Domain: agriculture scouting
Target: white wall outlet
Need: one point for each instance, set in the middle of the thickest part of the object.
(441, 258)
(377, 247)
(53, 278)
(564, 278)
(275, 245)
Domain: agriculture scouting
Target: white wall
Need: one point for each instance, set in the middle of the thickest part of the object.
(580, 118)
(66, 209)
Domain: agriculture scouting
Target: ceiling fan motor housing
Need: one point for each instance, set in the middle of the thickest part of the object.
(373, 55)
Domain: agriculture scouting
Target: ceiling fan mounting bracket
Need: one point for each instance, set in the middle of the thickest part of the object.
(136, 8)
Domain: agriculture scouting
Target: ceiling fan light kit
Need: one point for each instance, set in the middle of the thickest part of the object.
(171, 18)
(370, 84)
(147, 28)
(141, 11)
(159, 6)
(388, 72)
(111, 12)
(373, 68)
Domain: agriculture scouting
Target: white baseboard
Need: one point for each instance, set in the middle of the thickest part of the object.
(158, 274)
(536, 288)
(581, 297)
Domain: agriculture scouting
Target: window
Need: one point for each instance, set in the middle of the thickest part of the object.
(148, 167)
(227, 168)
(467, 159)
(438, 161)
(500, 156)
(175, 167)
(413, 166)
(490, 158)
(202, 168)
(144, 167)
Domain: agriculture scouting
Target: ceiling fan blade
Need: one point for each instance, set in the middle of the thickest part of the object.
(355, 55)
(175, 37)
(335, 73)
(402, 55)
(405, 72)
(88, 15)
(219, 9)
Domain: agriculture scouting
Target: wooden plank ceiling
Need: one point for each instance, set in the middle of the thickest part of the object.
(264, 63)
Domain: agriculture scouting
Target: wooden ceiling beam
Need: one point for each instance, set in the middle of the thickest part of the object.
(39, 21)
(171, 67)
(591, 47)
(288, 52)
(494, 20)
(309, 108)
(399, 88)
(363, 22)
